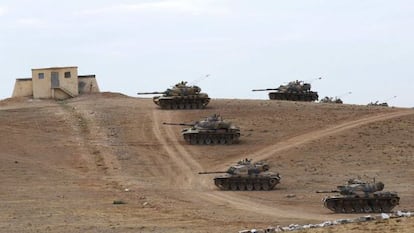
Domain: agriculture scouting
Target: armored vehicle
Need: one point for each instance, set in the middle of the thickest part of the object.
(246, 175)
(212, 130)
(180, 96)
(381, 104)
(294, 91)
(331, 100)
(377, 103)
(334, 100)
(361, 197)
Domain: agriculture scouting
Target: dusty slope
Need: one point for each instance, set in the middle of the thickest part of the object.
(63, 163)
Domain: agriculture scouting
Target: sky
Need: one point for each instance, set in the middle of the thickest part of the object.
(227, 47)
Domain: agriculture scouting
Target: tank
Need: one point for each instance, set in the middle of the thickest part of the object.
(361, 197)
(212, 130)
(293, 91)
(383, 103)
(246, 176)
(331, 100)
(377, 103)
(180, 96)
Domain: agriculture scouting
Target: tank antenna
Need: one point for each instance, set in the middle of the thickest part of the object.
(390, 98)
(200, 79)
(313, 80)
(344, 94)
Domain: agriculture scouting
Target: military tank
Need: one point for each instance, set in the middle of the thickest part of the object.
(293, 91)
(246, 176)
(377, 103)
(212, 130)
(334, 100)
(331, 100)
(361, 197)
(381, 104)
(180, 96)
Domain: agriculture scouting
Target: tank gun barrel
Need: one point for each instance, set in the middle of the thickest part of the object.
(267, 89)
(182, 124)
(216, 172)
(312, 80)
(327, 191)
(200, 79)
(151, 93)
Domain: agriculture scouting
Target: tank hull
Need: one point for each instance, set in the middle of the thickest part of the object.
(376, 203)
(211, 137)
(250, 183)
(182, 102)
(294, 96)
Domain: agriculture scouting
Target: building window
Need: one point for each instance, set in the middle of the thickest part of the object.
(67, 74)
(41, 75)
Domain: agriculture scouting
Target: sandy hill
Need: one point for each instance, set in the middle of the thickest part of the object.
(62, 164)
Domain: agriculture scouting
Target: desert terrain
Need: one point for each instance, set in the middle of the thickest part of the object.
(64, 163)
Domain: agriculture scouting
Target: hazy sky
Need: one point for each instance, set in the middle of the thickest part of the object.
(363, 46)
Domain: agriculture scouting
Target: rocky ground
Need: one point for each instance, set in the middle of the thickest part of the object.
(63, 164)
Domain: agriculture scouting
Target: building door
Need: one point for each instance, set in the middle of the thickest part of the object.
(55, 79)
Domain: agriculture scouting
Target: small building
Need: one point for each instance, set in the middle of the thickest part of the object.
(55, 83)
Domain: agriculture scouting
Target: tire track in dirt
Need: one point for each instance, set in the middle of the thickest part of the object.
(290, 143)
(98, 144)
(183, 174)
(68, 113)
(166, 171)
(242, 203)
(96, 147)
(183, 156)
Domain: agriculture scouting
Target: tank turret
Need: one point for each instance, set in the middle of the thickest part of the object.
(293, 91)
(246, 175)
(180, 96)
(358, 196)
(212, 130)
(363, 189)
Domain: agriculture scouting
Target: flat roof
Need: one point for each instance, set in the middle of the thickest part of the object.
(86, 76)
(55, 68)
(24, 79)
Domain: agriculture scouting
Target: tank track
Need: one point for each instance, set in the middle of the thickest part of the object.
(383, 204)
(246, 184)
(307, 97)
(181, 103)
(211, 138)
